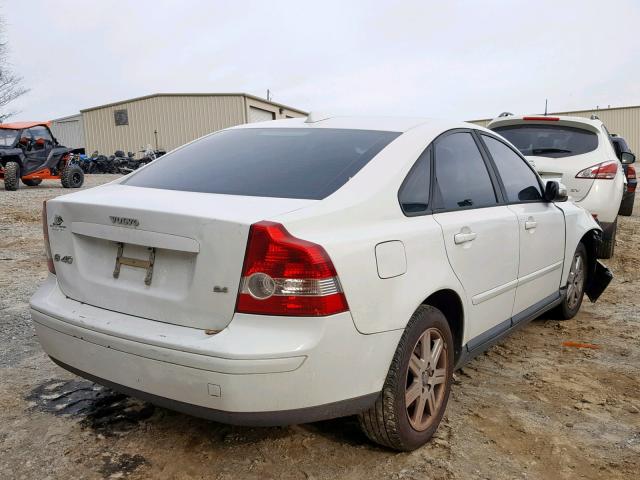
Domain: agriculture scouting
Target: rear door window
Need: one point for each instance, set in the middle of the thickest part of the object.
(555, 141)
(266, 162)
(461, 176)
(519, 181)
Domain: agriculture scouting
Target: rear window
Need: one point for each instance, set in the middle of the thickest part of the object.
(555, 141)
(266, 162)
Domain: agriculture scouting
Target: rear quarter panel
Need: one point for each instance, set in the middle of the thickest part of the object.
(365, 212)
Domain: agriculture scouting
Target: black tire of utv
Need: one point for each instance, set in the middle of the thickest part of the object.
(626, 207)
(11, 176)
(386, 422)
(72, 176)
(608, 244)
(562, 311)
(32, 183)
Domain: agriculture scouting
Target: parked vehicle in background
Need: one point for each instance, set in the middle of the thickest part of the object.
(629, 196)
(30, 153)
(310, 270)
(577, 152)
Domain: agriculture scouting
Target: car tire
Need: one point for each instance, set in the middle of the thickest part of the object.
(11, 176)
(576, 283)
(33, 182)
(608, 244)
(72, 176)
(626, 207)
(390, 421)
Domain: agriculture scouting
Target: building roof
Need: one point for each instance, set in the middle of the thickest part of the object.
(21, 125)
(153, 95)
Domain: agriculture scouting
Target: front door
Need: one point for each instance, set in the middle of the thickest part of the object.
(480, 235)
(541, 227)
(41, 144)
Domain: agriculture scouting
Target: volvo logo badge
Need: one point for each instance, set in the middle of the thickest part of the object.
(127, 222)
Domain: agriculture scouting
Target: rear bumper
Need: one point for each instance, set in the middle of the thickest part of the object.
(259, 370)
(603, 200)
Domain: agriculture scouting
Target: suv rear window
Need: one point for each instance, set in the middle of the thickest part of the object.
(266, 162)
(555, 141)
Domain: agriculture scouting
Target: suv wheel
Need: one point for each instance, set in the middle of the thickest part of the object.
(575, 285)
(416, 390)
(608, 241)
(626, 207)
(72, 176)
(11, 176)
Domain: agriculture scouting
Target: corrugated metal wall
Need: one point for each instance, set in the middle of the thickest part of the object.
(624, 121)
(69, 131)
(178, 120)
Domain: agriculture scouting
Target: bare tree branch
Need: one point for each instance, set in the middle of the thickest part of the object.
(10, 83)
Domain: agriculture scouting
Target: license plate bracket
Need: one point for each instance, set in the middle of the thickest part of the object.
(135, 263)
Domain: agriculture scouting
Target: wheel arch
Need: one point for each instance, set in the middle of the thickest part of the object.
(11, 158)
(450, 304)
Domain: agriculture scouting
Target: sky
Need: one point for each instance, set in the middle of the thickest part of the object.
(446, 59)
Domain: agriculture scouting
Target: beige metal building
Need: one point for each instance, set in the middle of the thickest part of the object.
(624, 121)
(168, 120)
(69, 131)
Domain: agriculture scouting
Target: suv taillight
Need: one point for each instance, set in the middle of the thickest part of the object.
(284, 275)
(631, 172)
(45, 234)
(602, 171)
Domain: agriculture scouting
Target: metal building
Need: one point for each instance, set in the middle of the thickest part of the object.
(168, 120)
(623, 121)
(69, 131)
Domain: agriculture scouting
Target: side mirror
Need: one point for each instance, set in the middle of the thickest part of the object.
(555, 192)
(627, 158)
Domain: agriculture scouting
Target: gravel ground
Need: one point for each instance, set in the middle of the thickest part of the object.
(528, 408)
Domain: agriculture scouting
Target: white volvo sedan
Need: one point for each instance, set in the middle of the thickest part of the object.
(294, 270)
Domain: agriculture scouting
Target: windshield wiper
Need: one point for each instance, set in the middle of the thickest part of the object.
(549, 150)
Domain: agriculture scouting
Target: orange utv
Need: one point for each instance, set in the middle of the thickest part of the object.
(30, 153)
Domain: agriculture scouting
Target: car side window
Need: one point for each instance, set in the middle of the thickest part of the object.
(519, 181)
(414, 192)
(41, 137)
(461, 176)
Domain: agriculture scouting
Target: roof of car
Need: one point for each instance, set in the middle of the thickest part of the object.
(392, 124)
(22, 125)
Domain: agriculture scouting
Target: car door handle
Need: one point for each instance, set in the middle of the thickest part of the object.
(465, 237)
(530, 224)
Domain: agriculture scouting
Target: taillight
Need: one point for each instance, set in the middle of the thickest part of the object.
(602, 171)
(284, 275)
(631, 175)
(45, 234)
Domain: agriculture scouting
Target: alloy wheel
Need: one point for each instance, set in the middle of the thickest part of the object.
(575, 283)
(426, 379)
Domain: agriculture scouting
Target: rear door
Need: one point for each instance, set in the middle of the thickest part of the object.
(480, 233)
(541, 228)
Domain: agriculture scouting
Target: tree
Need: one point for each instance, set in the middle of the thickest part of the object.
(10, 83)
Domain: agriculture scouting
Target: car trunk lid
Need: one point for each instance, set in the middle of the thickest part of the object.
(166, 255)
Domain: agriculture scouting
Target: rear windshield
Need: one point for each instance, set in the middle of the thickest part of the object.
(266, 162)
(553, 141)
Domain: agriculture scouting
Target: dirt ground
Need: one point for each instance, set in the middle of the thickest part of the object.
(528, 408)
